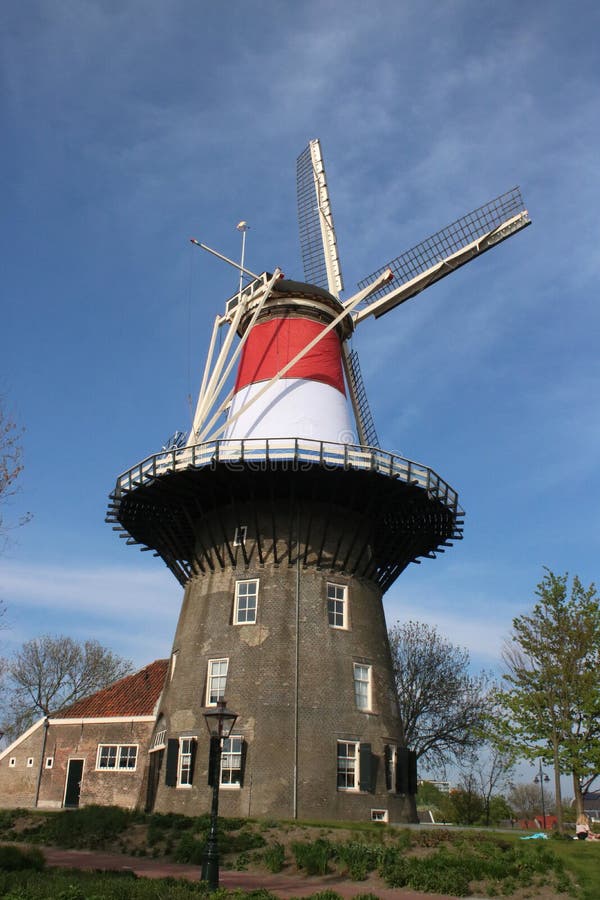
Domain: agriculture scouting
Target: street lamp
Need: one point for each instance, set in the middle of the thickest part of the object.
(219, 722)
(540, 779)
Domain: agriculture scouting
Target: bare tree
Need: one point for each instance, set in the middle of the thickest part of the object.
(49, 673)
(11, 460)
(524, 800)
(442, 706)
(492, 771)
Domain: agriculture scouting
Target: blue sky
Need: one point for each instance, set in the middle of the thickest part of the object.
(130, 126)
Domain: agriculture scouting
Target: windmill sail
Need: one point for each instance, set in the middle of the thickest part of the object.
(445, 251)
(317, 234)
(367, 434)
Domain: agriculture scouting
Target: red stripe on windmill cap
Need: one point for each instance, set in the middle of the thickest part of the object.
(274, 343)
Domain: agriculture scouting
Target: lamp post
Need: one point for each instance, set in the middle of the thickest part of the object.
(219, 722)
(540, 779)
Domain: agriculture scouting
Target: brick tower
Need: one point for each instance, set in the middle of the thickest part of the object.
(285, 531)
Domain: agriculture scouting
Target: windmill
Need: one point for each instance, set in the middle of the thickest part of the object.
(389, 286)
(286, 531)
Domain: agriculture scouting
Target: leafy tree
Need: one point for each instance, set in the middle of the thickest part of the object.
(442, 706)
(550, 707)
(49, 673)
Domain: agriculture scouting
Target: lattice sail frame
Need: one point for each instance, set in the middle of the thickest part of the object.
(444, 244)
(318, 242)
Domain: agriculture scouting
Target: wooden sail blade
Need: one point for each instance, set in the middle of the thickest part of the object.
(317, 233)
(445, 251)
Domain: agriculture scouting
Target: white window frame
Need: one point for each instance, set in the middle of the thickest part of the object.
(49, 762)
(393, 768)
(240, 593)
(121, 753)
(12, 762)
(362, 686)
(212, 677)
(30, 762)
(337, 606)
(348, 766)
(379, 815)
(159, 741)
(184, 761)
(230, 754)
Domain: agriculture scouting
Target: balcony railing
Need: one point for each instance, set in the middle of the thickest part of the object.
(287, 453)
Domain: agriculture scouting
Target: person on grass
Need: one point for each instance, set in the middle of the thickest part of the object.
(583, 829)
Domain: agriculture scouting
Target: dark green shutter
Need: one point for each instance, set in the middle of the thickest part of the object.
(171, 764)
(412, 772)
(402, 786)
(214, 759)
(193, 747)
(243, 763)
(365, 765)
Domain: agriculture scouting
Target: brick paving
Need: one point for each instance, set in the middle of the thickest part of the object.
(283, 885)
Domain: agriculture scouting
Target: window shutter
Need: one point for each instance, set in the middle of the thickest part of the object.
(214, 759)
(365, 761)
(171, 765)
(243, 763)
(387, 753)
(412, 772)
(402, 771)
(193, 748)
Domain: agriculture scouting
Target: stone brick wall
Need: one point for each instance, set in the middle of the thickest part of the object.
(65, 741)
(290, 675)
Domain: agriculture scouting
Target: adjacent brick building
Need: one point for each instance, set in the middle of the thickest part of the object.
(95, 751)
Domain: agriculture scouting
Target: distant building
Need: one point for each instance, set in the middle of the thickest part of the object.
(442, 786)
(95, 751)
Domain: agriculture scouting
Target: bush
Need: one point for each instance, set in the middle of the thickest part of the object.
(274, 857)
(90, 827)
(312, 856)
(358, 858)
(14, 859)
(241, 842)
(189, 850)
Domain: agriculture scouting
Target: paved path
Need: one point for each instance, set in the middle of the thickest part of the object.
(285, 886)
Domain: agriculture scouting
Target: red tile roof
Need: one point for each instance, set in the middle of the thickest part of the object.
(134, 695)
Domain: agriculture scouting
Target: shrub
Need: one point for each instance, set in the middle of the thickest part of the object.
(312, 856)
(189, 850)
(14, 859)
(241, 842)
(90, 827)
(358, 858)
(274, 857)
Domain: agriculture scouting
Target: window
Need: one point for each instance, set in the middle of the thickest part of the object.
(30, 762)
(240, 535)
(117, 757)
(231, 761)
(49, 762)
(12, 762)
(347, 759)
(337, 605)
(159, 740)
(217, 678)
(362, 686)
(246, 597)
(379, 815)
(185, 769)
(391, 760)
